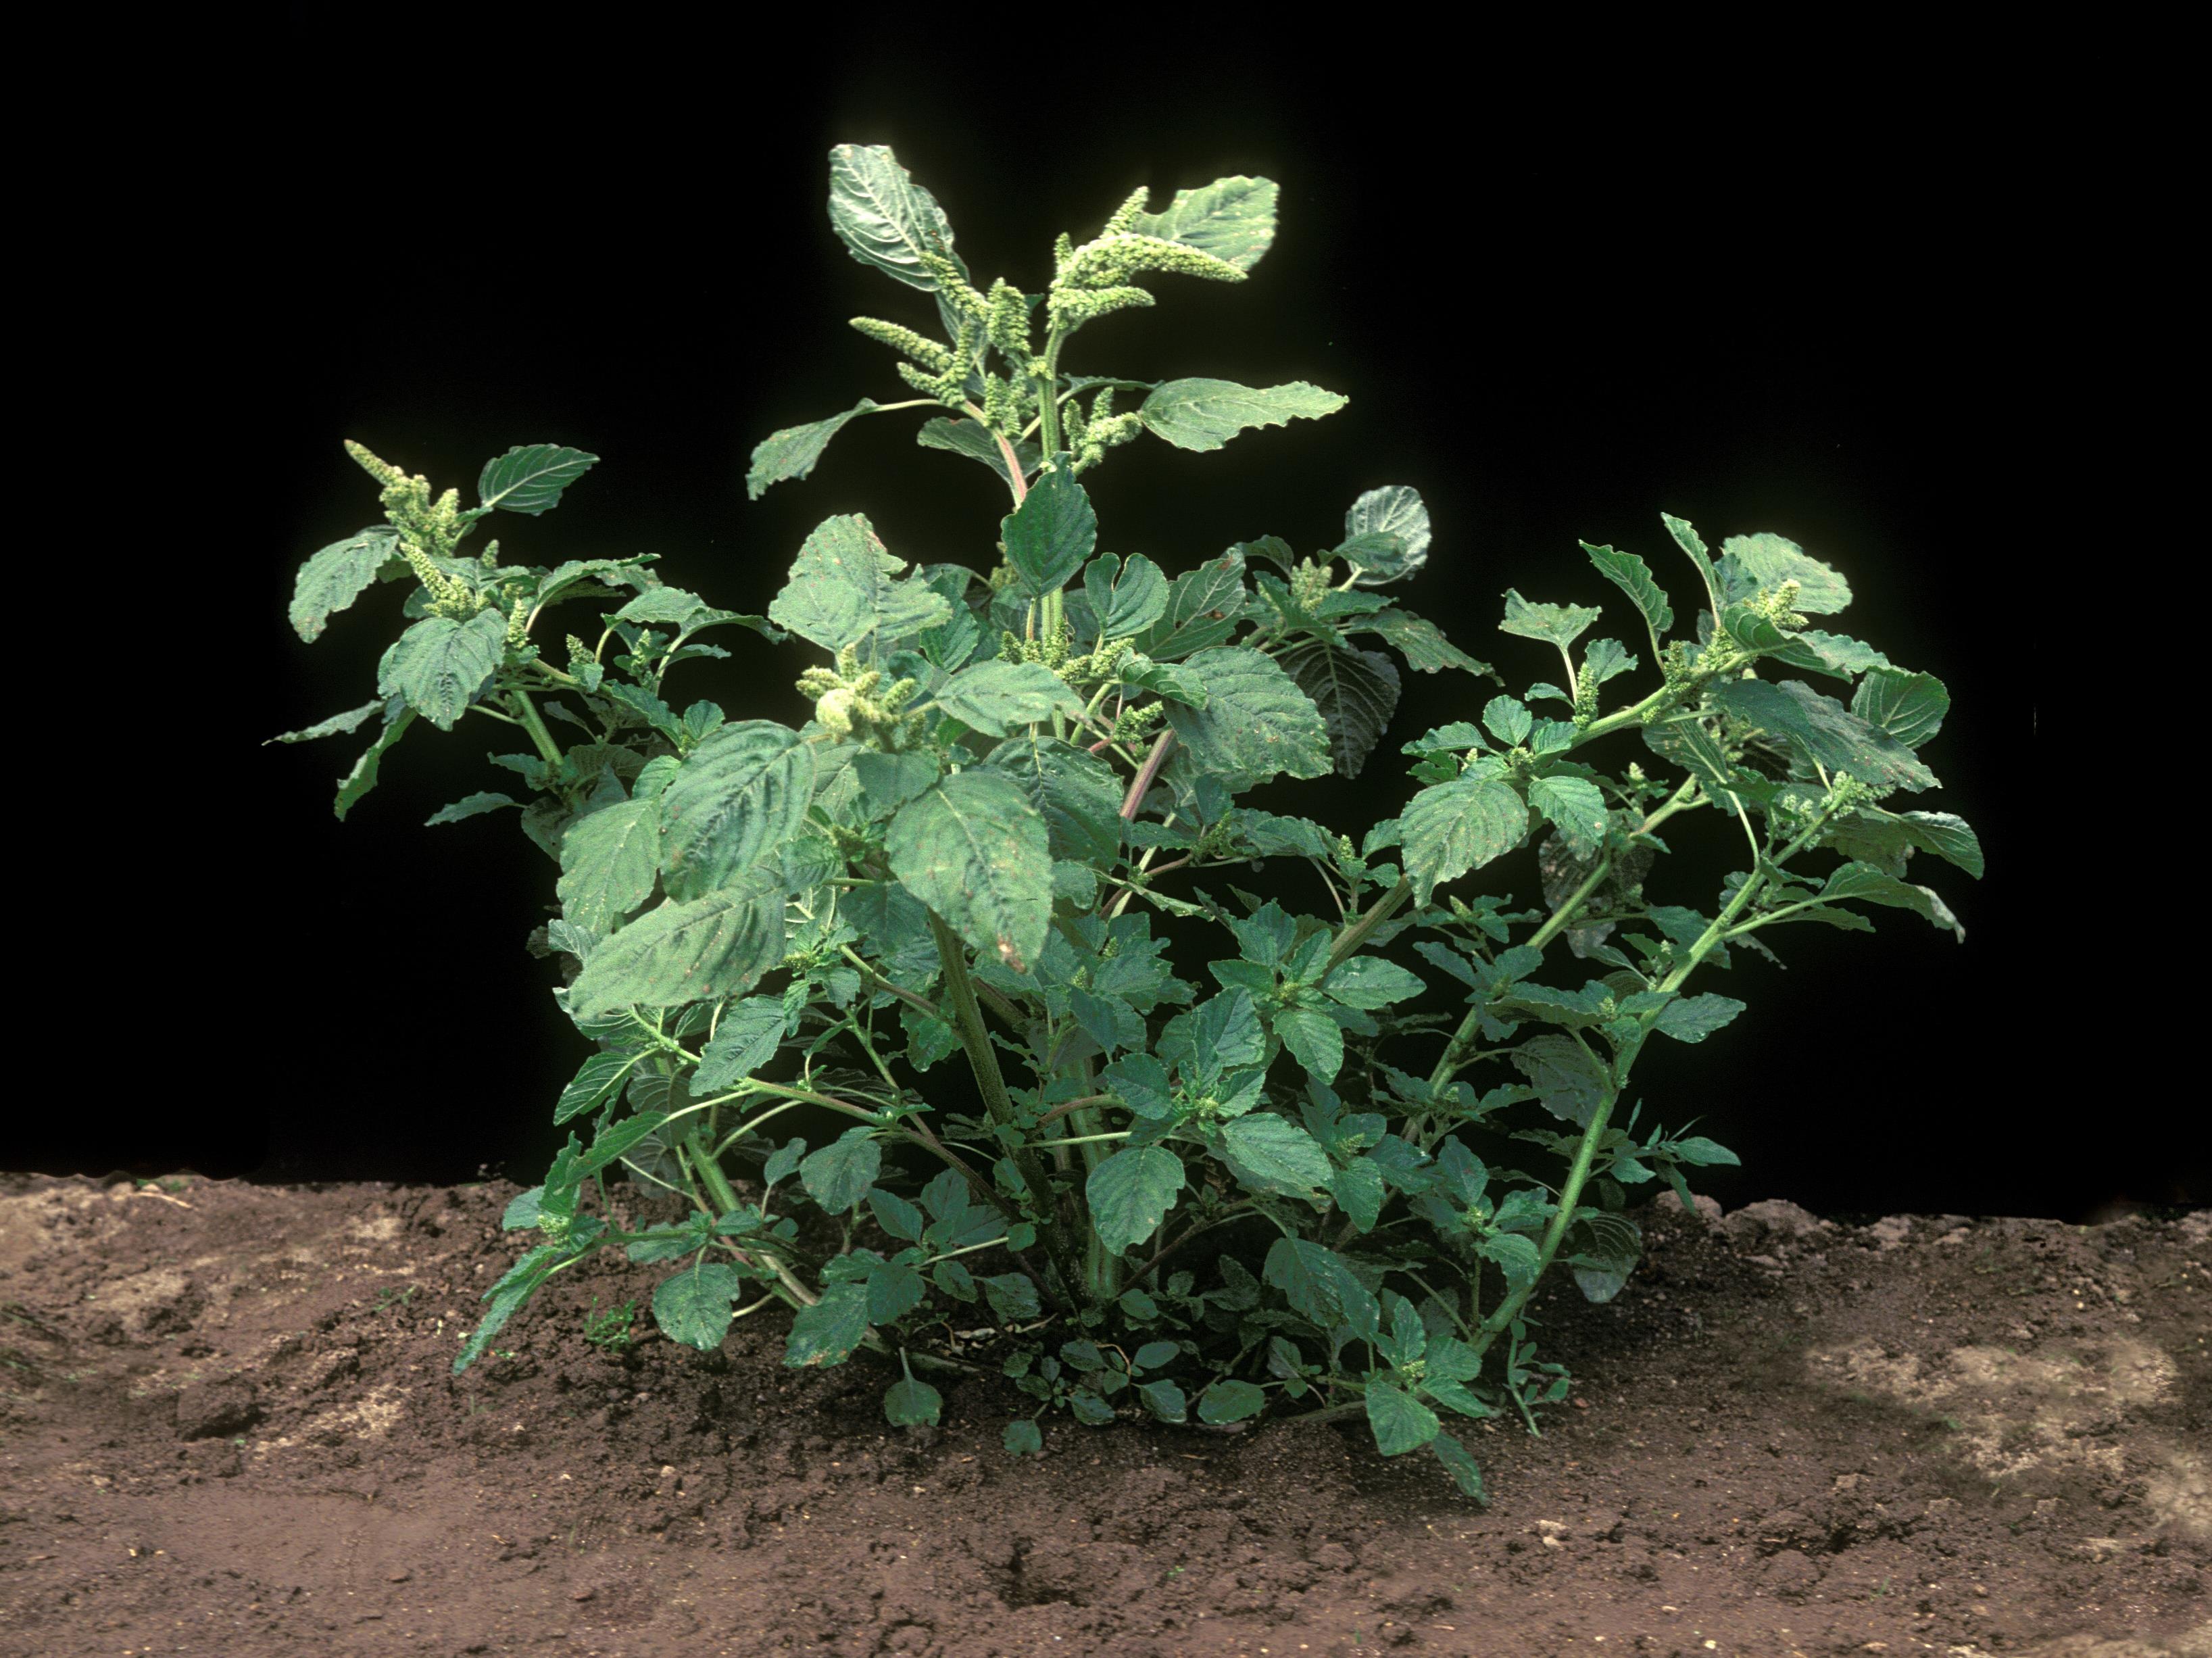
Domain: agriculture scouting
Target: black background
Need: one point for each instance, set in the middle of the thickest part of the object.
(1557, 310)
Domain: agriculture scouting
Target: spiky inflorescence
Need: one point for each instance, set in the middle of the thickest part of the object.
(936, 358)
(954, 287)
(1125, 215)
(1008, 322)
(428, 530)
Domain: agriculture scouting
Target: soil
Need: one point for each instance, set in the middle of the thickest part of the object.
(230, 1428)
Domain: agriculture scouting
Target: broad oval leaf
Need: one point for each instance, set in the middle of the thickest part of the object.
(530, 478)
(994, 696)
(1076, 794)
(1131, 1193)
(1232, 219)
(745, 1038)
(735, 800)
(827, 1332)
(844, 587)
(693, 1307)
(975, 851)
(792, 451)
(333, 578)
(715, 946)
(1751, 562)
(1401, 1423)
(839, 1175)
(1449, 829)
(911, 1404)
(1910, 706)
(441, 665)
(1268, 1153)
(608, 862)
(883, 217)
(1050, 535)
(1395, 510)
(1357, 692)
(1256, 722)
(1824, 730)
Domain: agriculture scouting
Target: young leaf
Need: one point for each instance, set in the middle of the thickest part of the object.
(1394, 510)
(1451, 828)
(441, 666)
(715, 946)
(530, 478)
(827, 1332)
(841, 589)
(793, 452)
(1401, 1423)
(1576, 807)
(471, 805)
(735, 800)
(1230, 1400)
(1357, 692)
(1204, 414)
(1314, 1040)
(333, 579)
(1130, 1194)
(1628, 573)
(884, 218)
(1555, 625)
(1232, 219)
(1256, 722)
(1751, 562)
(1693, 1018)
(911, 1404)
(965, 437)
(693, 1307)
(975, 850)
(1049, 536)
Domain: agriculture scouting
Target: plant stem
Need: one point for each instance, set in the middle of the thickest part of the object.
(534, 723)
(1141, 784)
(1356, 933)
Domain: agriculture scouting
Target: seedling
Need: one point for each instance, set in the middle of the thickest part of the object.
(954, 855)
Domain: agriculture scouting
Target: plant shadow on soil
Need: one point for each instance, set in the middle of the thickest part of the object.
(231, 1428)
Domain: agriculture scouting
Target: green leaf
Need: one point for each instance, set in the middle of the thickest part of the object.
(333, 579)
(1357, 692)
(1130, 1194)
(895, 1289)
(530, 478)
(711, 947)
(1516, 1256)
(1693, 543)
(1023, 1437)
(1864, 883)
(1231, 1400)
(1751, 562)
(471, 805)
(339, 724)
(827, 1332)
(734, 802)
(747, 1038)
(1203, 606)
(975, 851)
(441, 666)
(1268, 1153)
(911, 1404)
(1166, 1402)
(965, 437)
(793, 452)
(1693, 1018)
(1012, 1297)
(1420, 641)
(608, 862)
(994, 696)
(1628, 573)
(1910, 706)
(839, 1175)
(1576, 807)
(1256, 722)
(1127, 604)
(1401, 1423)
(1465, 1471)
(884, 218)
(363, 778)
(1372, 982)
(1204, 414)
(1314, 1040)
(1508, 719)
(1360, 1192)
(1395, 510)
(1825, 731)
(1555, 625)
(593, 1085)
(890, 780)
(514, 1287)
(841, 589)
(1232, 219)
(1050, 535)
(1874, 835)
(1077, 794)
(1320, 1286)
(693, 1307)
(1449, 829)
(1569, 1080)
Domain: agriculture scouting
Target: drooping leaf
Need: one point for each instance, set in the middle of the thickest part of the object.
(975, 851)
(1568, 1079)
(965, 437)
(1420, 641)
(609, 859)
(1628, 573)
(1204, 414)
(1825, 731)
(1256, 723)
(333, 579)
(1320, 1285)
(530, 478)
(1872, 835)
(1864, 883)
(693, 1307)
(994, 697)
(884, 218)
(1910, 706)
(1449, 829)
(713, 946)
(1232, 219)
(1357, 692)
(469, 806)
(339, 724)
(1466, 1472)
(1131, 1193)
(1751, 562)
(1394, 510)
(515, 1286)
(844, 586)
(792, 451)
(441, 665)
(1555, 625)
(745, 1038)
(1203, 608)
(1052, 533)
(363, 778)
(734, 802)
(1693, 1018)
(1077, 794)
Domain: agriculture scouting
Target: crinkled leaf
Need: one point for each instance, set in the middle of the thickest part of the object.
(711, 947)
(994, 696)
(975, 851)
(1268, 1153)
(1910, 706)
(1320, 1286)
(1555, 625)
(1203, 609)
(1204, 414)
(827, 1332)
(745, 1038)
(1128, 603)
(839, 1175)
(843, 588)
(363, 778)
(1357, 692)
(441, 665)
(1751, 562)
(1314, 1040)
(1420, 641)
(735, 800)
(1449, 829)
(1131, 1193)
(1401, 1423)
(693, 1307)
(1825, 731)
(1567, 1078)
(1395, 510)
(1232, 219)
(608, 862)
(1693, 1018)
(333, 578)
(1576, 807)
(1628, 573)
(1077, 794)
(884, 218)
(1256, 722)
(1052, 533)
(965, 437)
